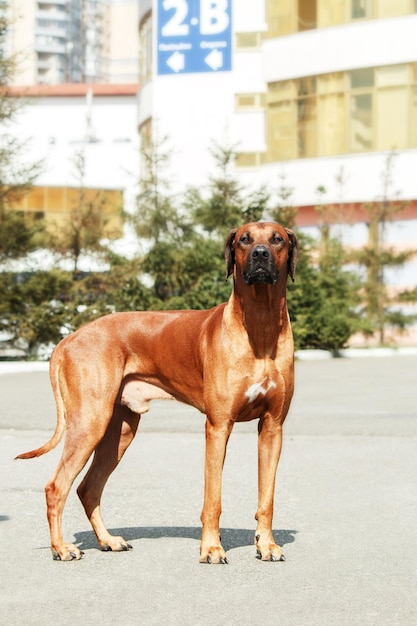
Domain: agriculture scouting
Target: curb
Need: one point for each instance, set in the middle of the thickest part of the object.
(17, 367)
(353, 353)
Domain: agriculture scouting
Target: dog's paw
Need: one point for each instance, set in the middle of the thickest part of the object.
(270, 557)
(214, 556)
(115, 544)
(66, 552)
(268, 551)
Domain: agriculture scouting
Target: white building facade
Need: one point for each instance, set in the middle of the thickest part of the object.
(306, 103)
(318, 96)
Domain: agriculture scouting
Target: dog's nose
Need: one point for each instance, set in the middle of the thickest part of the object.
(261, 252)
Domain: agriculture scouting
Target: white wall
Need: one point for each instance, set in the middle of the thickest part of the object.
(363, 174)
(57, 127)
(193, 111)
(350, 46)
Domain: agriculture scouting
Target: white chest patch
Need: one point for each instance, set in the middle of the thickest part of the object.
(259, 389)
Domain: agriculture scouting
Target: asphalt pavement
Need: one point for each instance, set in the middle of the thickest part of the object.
(346, 512)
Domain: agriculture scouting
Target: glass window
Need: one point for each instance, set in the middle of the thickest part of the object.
(249, 100)
(36, 198)
(282, 129)
(361, 78)
(331, 124)
(281, 17)
(307, 14)
(145, 134)
(145, 61)
(361, 9)
(19, 202)
(248, 40)
(282, 90)
(331, 12)
(246, 159)
(331, 83)
(391, 75)
(56, 198)
(307, 127)
(391, 8)
(361, 123)
(355, 111)
(72, 199)
(146, 138)
(306, 86)
(392, 119)
(413, 117)
(289, 16)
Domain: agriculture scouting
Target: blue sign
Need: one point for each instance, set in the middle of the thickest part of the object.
(194, 36)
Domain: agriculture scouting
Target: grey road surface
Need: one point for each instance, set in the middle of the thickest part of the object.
(346, 513)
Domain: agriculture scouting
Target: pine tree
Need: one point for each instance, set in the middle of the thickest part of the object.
(376, 257)
(17, 233)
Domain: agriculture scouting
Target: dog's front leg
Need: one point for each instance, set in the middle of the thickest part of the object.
(269, 450)
(217, 436)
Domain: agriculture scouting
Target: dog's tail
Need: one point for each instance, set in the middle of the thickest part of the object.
(61, 422)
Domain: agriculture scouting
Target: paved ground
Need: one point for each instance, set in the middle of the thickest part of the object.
(346, 513)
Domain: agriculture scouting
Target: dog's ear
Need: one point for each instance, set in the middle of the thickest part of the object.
(293, 253)
(229, 252)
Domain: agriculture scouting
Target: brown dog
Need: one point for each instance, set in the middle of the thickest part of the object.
(233, 362)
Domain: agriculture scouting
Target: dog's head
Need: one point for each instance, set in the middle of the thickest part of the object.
(261, 252)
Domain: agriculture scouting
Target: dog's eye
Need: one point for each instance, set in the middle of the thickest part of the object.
(245, 239)
(277, 239)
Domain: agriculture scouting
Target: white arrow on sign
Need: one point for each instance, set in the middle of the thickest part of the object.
(214, 59)
(176, 61)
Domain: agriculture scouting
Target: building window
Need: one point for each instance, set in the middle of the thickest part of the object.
(245, 101)
(146, 139)
(145, 60)
(249, 159)
(281, 17)
(360, 84)
(57, 204)
(248, 40)
(291, 16)
(307, 15)
(393, 110)
(361, 78)
(356, 111)
(361, 123)
(360, 9)
(306, 116)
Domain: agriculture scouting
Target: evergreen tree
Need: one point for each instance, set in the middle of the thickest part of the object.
(157, 217)
(84, 230)
(17, 233)
(379, 306)
(226, 204)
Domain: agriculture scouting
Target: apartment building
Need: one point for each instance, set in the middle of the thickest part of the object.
(74, 41)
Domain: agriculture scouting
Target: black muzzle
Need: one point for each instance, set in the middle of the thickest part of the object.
(260, 267)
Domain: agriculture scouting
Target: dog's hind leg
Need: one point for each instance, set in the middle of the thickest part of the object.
(78, 447)
(118, 436)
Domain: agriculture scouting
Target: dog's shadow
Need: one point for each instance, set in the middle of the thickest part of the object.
(231, 537)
